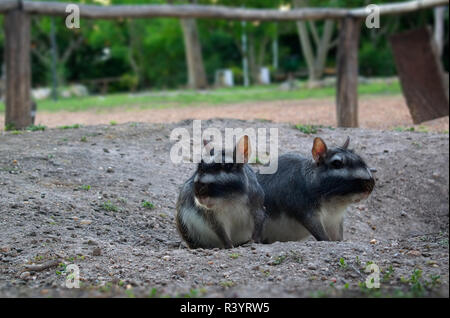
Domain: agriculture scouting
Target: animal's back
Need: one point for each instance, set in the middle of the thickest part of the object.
(286, 194)
(278, 187)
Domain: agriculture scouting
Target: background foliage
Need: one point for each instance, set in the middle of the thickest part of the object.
(147, 54)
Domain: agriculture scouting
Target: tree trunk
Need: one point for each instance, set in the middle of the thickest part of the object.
(244, 53)
(439, 29)
(18, 69)
(347, 80)
(257, 54)
(254, 72)
(135, 57)
(194, 58)
(314, 61)
(275, 54)
(262, 52)
(306, 43)
(307, 50)
(324, 46)
(54, 60)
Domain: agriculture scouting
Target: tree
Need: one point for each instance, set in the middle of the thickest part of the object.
(47, 52)
(315, 59)
(439, 32)
(193, 50)
(251, 38)
(194, 57)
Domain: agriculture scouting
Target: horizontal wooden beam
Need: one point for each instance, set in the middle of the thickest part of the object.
(6, 5)
(221, 12)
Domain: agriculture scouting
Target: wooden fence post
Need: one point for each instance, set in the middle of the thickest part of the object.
(347, 73)
(18, 69)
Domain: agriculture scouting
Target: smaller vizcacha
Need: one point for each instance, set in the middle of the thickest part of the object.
(222, 204)
(309, 196)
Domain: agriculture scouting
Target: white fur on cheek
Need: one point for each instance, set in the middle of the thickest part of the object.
(206, 205)
(360, 173)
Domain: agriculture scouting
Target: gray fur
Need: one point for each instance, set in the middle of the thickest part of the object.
(237, 215)
(310, 197)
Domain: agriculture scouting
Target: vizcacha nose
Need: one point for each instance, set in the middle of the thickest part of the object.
(370, 182)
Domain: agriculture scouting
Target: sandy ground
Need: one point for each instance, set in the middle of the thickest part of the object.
(382, 112)
(75, 197)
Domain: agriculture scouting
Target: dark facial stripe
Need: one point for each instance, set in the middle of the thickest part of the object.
(334, 186)
(217, 190)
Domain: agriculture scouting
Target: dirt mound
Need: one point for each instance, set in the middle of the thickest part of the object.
(103, 198)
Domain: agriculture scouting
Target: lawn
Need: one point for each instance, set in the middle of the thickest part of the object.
(183, 98)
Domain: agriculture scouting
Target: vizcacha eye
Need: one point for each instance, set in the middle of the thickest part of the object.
(337, 164)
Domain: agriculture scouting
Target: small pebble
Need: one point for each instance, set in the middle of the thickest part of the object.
(414, 253)
(312, 266)
(97, 251)
(25, 275)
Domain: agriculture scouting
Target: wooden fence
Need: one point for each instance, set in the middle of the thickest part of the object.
(18, 38)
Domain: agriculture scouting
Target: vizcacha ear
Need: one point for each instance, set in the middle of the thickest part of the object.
(346, 143)
(243, 150)
(208, 146)
(319, 150)
(207, 151)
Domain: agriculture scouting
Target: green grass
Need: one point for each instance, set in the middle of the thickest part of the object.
(279, 260)
(147, 205)
(227, 284)
(234, 255)
(109, 206)
(75, 126)
(184, 98)
(11, 127)
(342, 263)
(8, 127)
(36, 127)
(421, 129)
(308, 129)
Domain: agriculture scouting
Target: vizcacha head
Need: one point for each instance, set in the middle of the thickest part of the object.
(341, 173)
(222, 178)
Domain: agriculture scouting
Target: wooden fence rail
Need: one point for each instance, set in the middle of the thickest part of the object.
(17, 41)
(221, 12)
